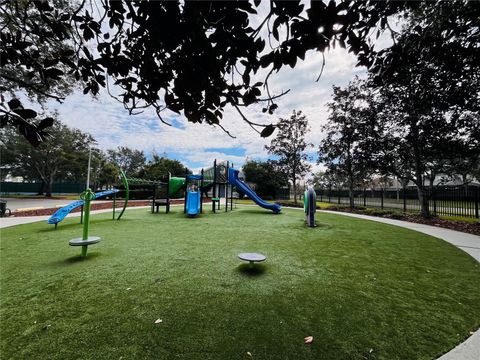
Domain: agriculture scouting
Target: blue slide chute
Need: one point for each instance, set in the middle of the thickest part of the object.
(62, 213)
(244, 188)
(193, 203)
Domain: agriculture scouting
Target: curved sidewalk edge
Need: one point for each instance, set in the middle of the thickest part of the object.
(12, 221)
(470, 348)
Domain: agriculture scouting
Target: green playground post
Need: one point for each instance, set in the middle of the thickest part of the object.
(86, 196)
(127, 191)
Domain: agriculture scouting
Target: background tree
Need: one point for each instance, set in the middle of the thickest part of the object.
(159, 167)
(423, 111)
(60, 158)
(266, 175)
(131, 161)
(108, 174)
(347, 148)
(289, 146)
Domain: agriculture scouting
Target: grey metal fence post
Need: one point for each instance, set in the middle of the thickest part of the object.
(381, 195)
(476, 202)
(404, 200)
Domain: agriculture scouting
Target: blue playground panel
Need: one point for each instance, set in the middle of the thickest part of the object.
(62, 213)
(241, 186)
(193, 203)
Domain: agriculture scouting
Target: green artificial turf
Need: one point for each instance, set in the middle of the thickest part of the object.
(363, 290)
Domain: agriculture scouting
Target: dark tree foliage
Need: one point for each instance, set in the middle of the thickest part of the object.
(266, 175)
(350, 138)
(65, 156)
(329, 179)
(36, 56)
(131, 161)
(289, 146)
(108, 174)
(428, 85)
(193, 57)
(159, 167)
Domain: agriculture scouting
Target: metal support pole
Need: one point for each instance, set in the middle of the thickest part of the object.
(201, 193)
(81, 215)
(476, 202)
(381, 194)
(214, 191)
(88, 196)
(186, 194)
(154, 197)
(226, 187)
(114, 200)
(167, 210)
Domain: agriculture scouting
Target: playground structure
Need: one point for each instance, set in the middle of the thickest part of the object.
(215, 180)
(310, 206)
(245, 189)
(218, 181)
(162, 190)
(62, 213)
(193, 196)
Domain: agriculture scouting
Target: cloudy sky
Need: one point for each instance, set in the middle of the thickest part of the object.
(197, 145)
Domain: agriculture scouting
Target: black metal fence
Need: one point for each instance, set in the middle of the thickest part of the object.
(446, 200)
(13, 188)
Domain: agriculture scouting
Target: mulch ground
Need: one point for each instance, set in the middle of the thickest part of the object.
(471, 228)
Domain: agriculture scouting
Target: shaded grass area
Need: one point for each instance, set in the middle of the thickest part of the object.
(363, 290)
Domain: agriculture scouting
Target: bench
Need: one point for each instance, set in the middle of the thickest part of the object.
(161, 202)
(215, 200)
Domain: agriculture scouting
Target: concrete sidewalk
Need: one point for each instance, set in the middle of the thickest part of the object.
(15, 204)
(12, 221)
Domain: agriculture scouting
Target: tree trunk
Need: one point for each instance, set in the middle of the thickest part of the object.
(350, 195)
(422, 195)
(41, 189)
(423, 199)
(294, 192)
(350, 179)
(48, 190)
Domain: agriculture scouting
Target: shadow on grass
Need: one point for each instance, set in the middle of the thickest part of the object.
(252, 271)
(61, 226)
(258, 211)
(76, 259)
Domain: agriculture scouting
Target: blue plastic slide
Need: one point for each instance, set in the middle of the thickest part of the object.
(193, 203)
(62, 213)
(244, 188)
